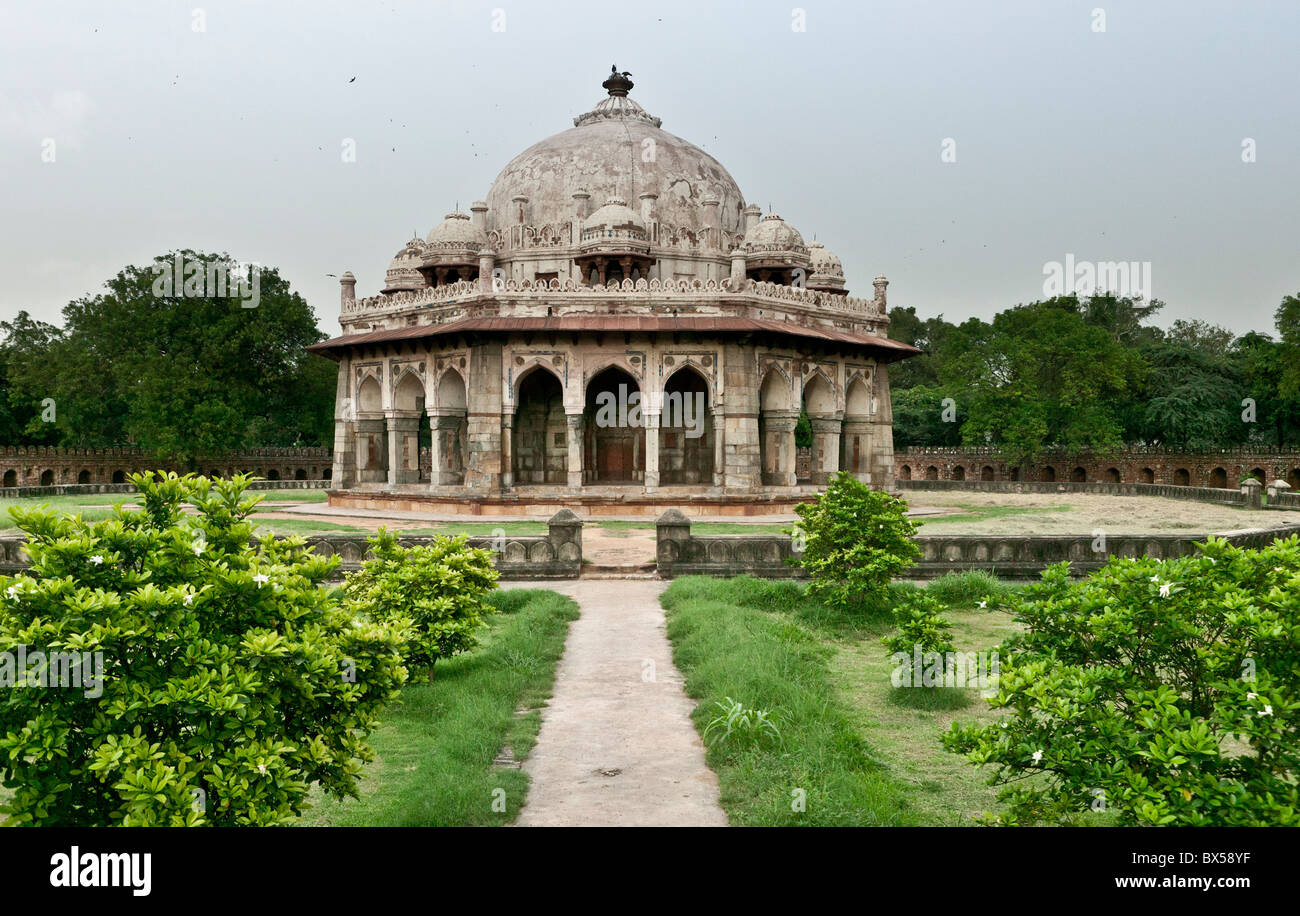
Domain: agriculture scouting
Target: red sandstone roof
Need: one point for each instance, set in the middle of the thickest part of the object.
(890, 350)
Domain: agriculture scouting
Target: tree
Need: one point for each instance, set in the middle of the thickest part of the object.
(1039, 377)
(182, 370)
(21, 409)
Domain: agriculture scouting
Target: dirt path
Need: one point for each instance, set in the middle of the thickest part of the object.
(617, 747)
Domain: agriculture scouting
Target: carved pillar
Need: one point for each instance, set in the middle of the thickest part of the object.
(507, 449)
(403, 448)
(857, 435)
(651, 423)
(448, 468)
(344, 473)
(778, 447)
(826, 448)
(719, 449)
(574, 421)
(371, 451)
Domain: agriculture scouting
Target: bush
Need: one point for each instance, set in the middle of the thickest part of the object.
(1163, 692)
(920, 625)
(231, 680)
(855, 540)
(435, 591)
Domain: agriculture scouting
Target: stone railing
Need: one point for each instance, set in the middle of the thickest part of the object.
(680, 553)
(79, 489)
(471, 289)
(554, 555)
(1169, 491)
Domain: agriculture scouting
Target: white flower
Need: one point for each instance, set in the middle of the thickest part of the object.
(1038, 756)
(261, 579)
(1155, 578)
(1164, 589)
(261, 768)
(97, 559)
(189, 598)
(13, 591)
(1251, 696)
(1268, 710)
(984, 604)
(198, 548)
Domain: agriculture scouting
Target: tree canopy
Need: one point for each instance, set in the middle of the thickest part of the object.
(179, 370)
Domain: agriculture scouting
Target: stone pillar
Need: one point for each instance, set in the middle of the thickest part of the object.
(826, 446)
(478, 214)
(650, 422)
(347, 291)
(574, 421)
(737, 270)
(447, 468)
(1252, 489)
(778, 428)
(742, 470)
(483, 445)
(507, 450)
(372, 453)
(719, 449)
(564, 527)
(403, 448)
(487, 264)
(857, 437)
(1276, 490)
(344, 473)
(753, 213)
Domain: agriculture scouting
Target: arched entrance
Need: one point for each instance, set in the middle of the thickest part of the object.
(855, 441)
(777, 418)
(686, 434)
(539, 450)
(613, 430)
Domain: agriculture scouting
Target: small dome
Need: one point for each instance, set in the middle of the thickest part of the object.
(457, 229)
(403, 271)
(615, 214)
(825, 270)
(824, 262)
(771, 233)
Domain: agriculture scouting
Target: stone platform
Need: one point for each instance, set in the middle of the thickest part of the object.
(589, 502)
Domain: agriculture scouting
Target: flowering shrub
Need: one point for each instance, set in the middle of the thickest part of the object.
(1163, 692)
(436, 592)
(855, 540)
(230, 682)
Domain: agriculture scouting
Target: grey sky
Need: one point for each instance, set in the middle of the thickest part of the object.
(1122, 145)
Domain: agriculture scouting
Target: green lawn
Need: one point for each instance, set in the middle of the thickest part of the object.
(971, 512)
(864, 752)
(435, 749)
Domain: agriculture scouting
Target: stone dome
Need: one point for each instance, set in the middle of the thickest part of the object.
(457, 228)
(772, 233)
(403, 271)
(615, 150)
(825, 270)
(615, 214)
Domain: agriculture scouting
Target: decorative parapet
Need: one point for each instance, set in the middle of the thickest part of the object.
(554, 555)
(1168, 491)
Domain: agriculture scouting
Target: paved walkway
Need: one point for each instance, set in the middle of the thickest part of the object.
(617, 748)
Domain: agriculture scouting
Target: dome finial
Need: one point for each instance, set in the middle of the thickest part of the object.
(617, 83)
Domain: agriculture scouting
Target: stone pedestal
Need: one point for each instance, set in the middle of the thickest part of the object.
(826, 448)
(1253, 490)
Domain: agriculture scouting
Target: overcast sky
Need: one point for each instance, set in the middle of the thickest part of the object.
(1122, 144)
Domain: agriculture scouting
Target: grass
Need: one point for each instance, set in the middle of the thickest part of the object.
(435, 750)
(972, 512)
(737, 638)
(865, 752)
(304, 526)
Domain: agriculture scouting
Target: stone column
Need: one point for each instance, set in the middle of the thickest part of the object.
(447, 468)
(826, 443)
(779, 431)
(574, 421)
(507, 449)
(858, 434)
(882, 439)
(651, 424)
(344, 473)
(1252, 490)
(742, 468)
(719, 449)
(371, 460)
(403, 448)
